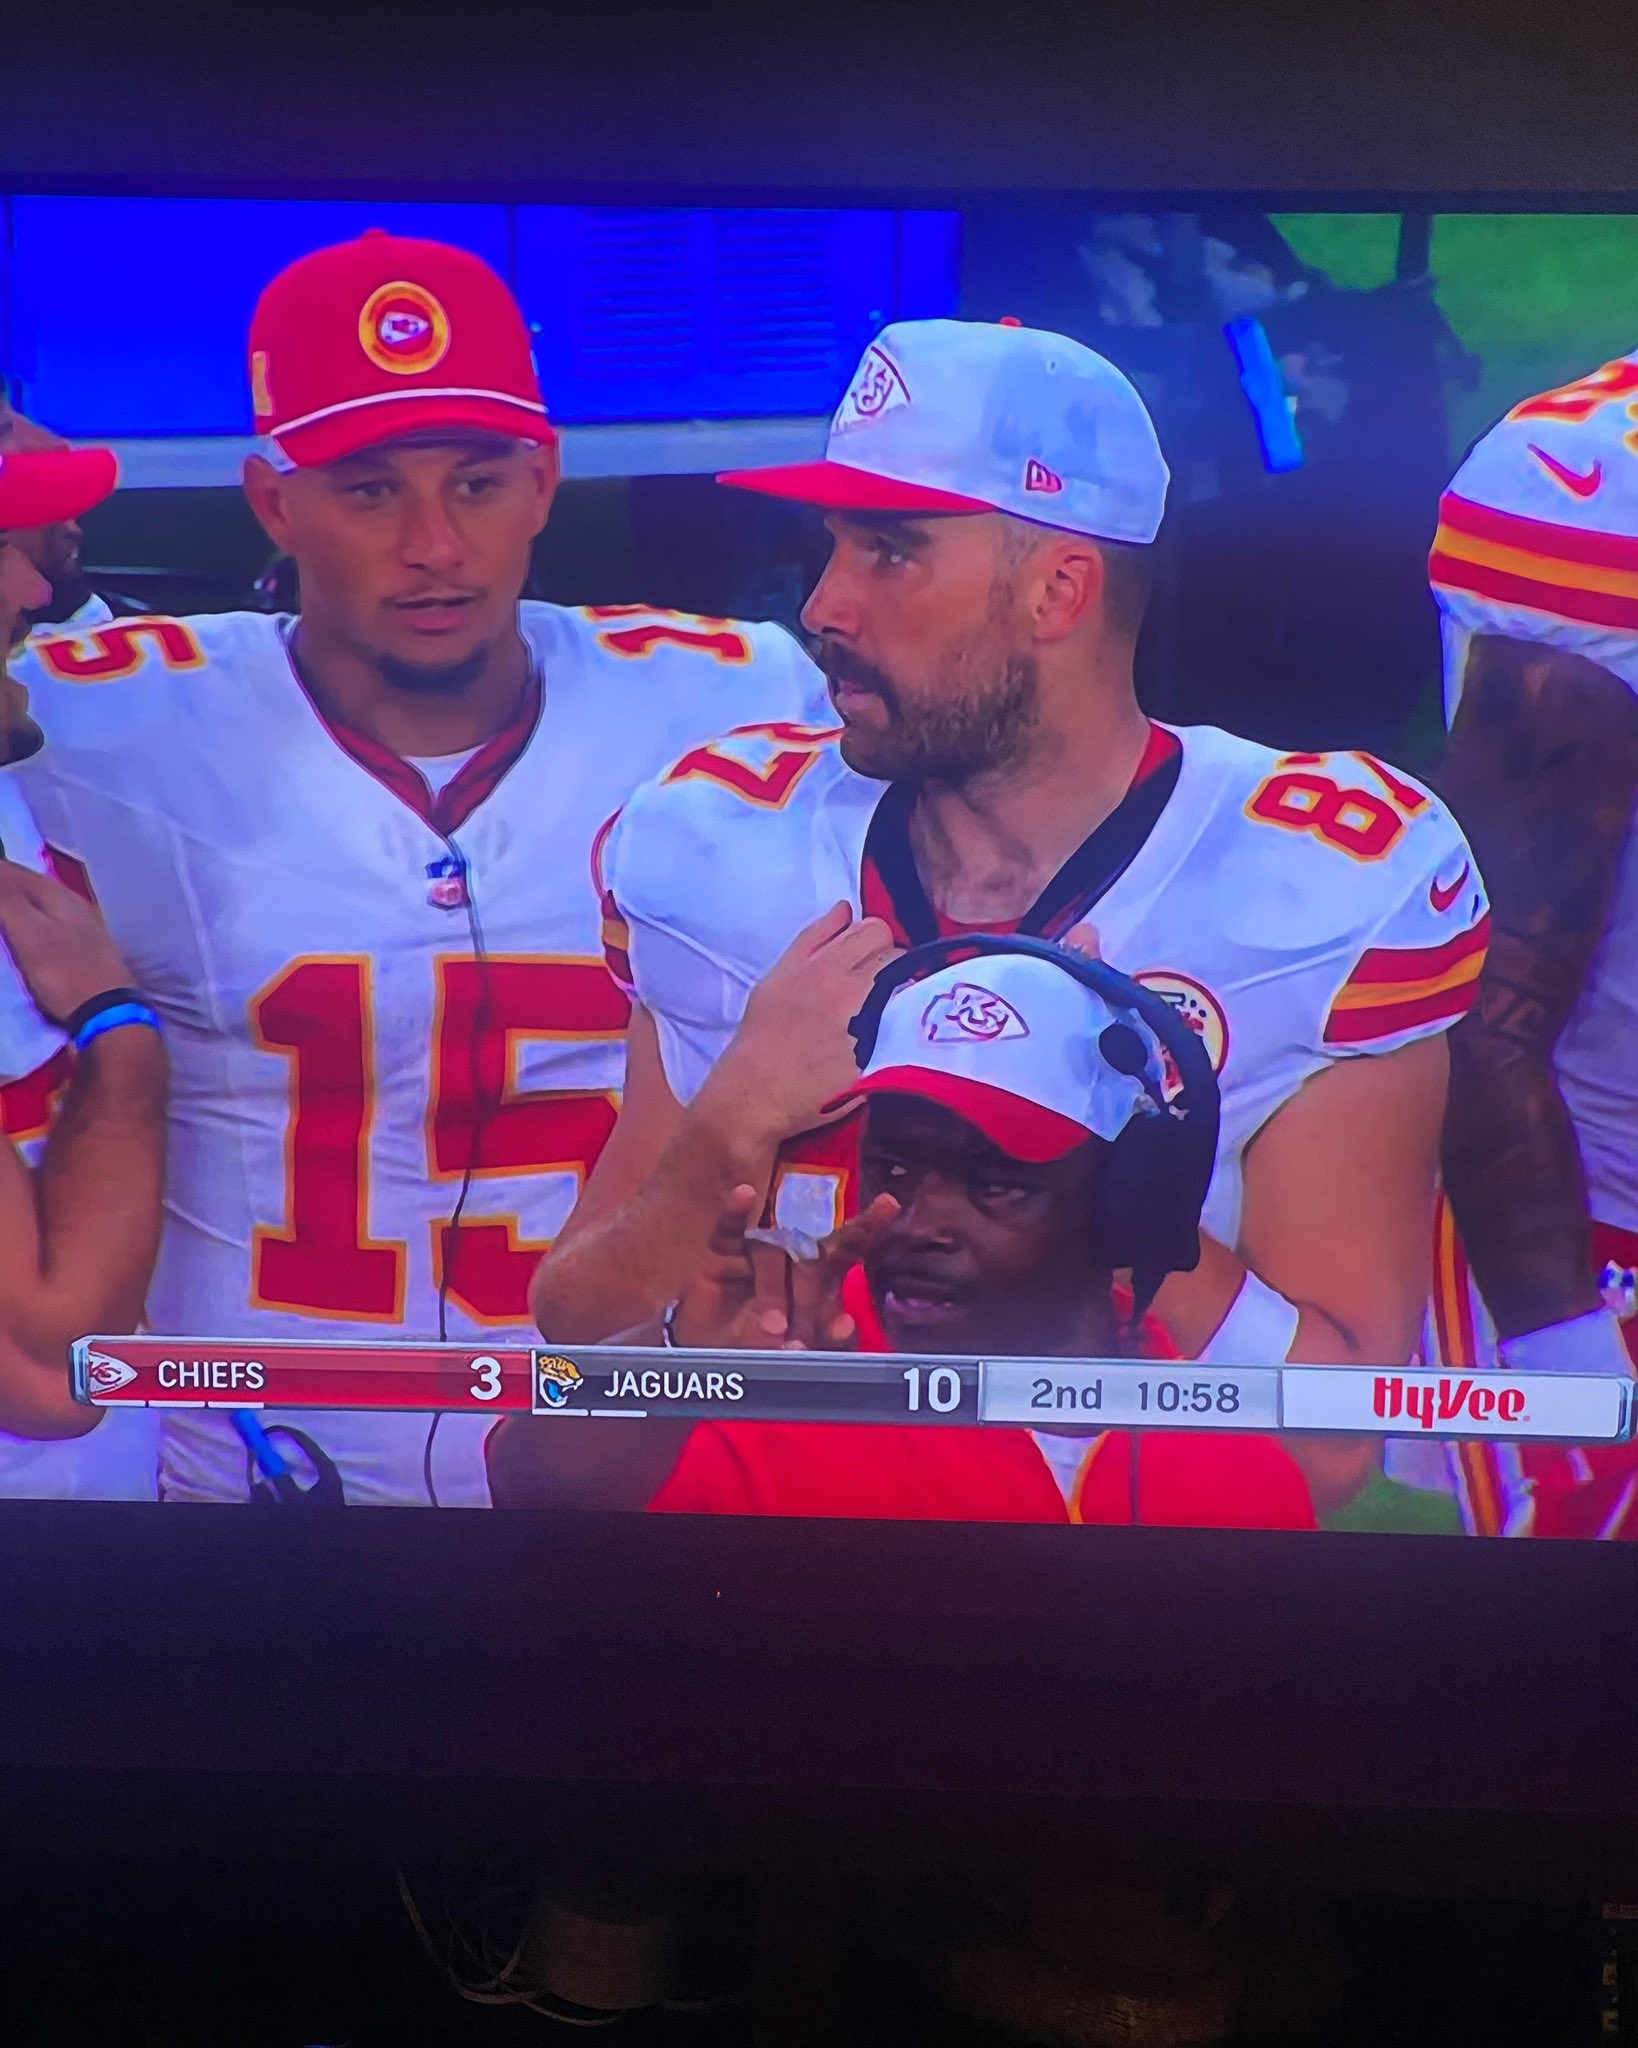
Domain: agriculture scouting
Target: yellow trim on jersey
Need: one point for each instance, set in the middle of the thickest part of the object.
(1371, 995)
(1538, 568)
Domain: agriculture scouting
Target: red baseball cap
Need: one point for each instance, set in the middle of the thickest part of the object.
(40, 487)
(386, 337)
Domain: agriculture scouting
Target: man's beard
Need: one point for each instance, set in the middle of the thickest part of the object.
(962, 731)
(425, 679)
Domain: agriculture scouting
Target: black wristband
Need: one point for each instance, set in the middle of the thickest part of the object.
(93, 1006)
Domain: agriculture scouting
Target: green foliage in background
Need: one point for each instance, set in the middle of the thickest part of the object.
(1540, 298)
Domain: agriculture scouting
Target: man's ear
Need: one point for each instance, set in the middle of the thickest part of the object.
(1070, 578)
(267, 493)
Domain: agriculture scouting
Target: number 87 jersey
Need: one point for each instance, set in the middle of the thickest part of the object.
(1297, 909)
(395, 1049)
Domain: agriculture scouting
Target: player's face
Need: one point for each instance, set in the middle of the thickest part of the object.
(919, 630)
(413, 555)
(987, 1253)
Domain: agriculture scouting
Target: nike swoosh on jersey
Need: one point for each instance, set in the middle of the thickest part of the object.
(1443, 898)
(1581, 483)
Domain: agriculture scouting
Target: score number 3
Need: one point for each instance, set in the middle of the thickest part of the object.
(318, 1013)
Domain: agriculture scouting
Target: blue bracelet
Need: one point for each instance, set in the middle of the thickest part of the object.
(112, 1019)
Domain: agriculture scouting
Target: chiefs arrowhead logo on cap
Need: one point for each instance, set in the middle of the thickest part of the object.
(878, 387)
(970, 1012)
(403, 329)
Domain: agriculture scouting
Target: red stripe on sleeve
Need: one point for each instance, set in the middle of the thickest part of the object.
(1386, 1020)
(1587, 607)
(1540, 536)
(1420, 963)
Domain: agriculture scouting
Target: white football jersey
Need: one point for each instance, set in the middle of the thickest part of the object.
(117, 1460)
(27, 1040)
(385, 1010)
(1538, 540)
(1296, 909)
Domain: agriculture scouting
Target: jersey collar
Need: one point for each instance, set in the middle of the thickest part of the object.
(891, 888)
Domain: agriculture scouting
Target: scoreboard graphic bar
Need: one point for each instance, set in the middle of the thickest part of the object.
(612, 1382)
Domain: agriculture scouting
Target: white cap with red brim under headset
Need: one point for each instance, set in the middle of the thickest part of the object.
(1019, 1049)
(964, 416)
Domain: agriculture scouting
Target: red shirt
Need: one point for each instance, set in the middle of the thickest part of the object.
(913, 1472)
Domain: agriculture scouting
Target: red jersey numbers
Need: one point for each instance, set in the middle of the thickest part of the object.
(116, 651)
(1579, 401)
(483, 1122)
(790, 752)
(1365, 820)
(650, 629)
(318, 1014)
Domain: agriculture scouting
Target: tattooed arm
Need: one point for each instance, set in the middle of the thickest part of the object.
(1541, 771)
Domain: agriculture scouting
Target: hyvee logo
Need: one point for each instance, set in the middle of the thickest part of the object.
(970, 1012)
(878, 388)
(1445, 1401)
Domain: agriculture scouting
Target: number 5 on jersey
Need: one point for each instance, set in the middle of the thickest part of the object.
(318, 1014)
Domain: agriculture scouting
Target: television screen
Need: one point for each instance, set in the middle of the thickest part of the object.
(966, 863)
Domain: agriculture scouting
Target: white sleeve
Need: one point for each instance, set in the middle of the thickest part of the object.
(27, 1039)
(1417, 973)
(695, 999)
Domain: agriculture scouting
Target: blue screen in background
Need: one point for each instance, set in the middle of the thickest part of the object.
(719, 313)
(159, 346)
(651, 313)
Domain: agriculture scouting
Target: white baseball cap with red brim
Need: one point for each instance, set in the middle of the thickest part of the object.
(964, 416)
(1012, 1045)
(43, 487)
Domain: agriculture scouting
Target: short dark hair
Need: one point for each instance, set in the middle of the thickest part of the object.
(1128, 577)
(1128, 572)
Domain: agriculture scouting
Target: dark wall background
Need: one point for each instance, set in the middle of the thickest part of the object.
(1445, 95)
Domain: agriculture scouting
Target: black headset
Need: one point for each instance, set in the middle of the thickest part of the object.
(1160, 1165)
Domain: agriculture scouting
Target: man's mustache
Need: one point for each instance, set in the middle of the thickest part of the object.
(842, 665)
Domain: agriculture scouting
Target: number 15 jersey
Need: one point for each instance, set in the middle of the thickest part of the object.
(395, 1048)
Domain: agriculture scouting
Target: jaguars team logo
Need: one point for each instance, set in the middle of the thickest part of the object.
(1198, 1008)
(557, 1381)
(404, 329)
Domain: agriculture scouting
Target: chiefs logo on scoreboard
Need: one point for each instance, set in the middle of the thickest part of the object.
(106, 1375)
(1198, 1008)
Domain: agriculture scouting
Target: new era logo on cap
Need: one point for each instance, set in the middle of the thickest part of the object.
(968, 1011)
(953, 416)
(386, 337)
